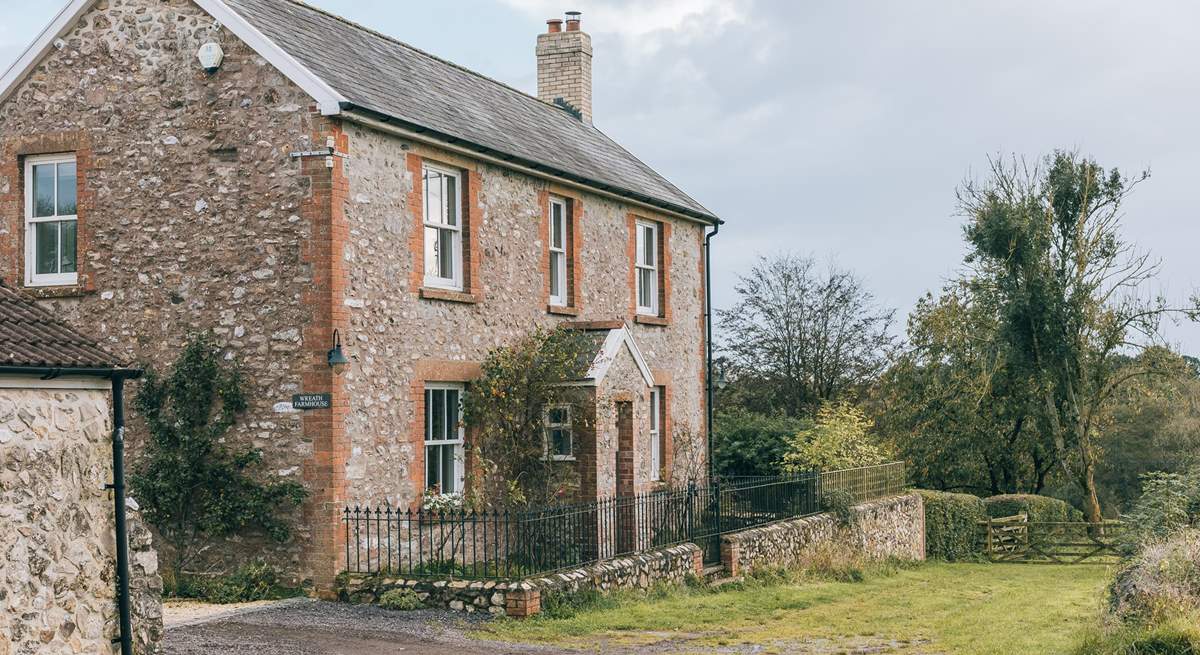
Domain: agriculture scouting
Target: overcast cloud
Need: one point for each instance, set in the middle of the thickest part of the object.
(841, 128)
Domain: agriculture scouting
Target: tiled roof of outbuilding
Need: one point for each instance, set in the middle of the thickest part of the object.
(31, 336)
(390, 78)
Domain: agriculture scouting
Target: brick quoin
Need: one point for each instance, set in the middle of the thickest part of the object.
(626, 484)
(666, 437)
(325, 472)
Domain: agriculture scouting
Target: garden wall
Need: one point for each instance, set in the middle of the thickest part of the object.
(881, 529)
(524, 598)
(57, 531)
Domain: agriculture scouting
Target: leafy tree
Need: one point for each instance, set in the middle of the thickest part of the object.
(1152, 424)
(747, 443)
(506, 410)
(1047, 243)
(799, 336)
(192, 486)
(954, 408)
(840, 439)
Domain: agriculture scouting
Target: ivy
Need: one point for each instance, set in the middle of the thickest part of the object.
(192, 486)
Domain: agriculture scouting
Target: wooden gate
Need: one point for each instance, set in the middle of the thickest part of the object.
(1017, 539)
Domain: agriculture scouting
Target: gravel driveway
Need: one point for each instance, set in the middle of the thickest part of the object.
(312, 627)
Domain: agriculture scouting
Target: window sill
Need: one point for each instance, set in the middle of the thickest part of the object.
(651, 320)
(432, 293)
(65, 291)
(562, 311)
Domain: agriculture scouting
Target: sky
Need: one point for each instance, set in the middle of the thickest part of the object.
(840, 129)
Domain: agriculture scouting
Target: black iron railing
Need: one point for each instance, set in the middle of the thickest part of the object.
(517, 544)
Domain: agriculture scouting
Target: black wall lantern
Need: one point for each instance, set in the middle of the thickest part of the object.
(337, 359)
(722, 381)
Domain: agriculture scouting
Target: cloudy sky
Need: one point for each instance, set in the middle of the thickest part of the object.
(841, 128)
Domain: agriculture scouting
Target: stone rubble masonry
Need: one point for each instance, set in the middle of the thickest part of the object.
(194, 217)
(564, 62)
(524, 598)
(57, 530)
(881, 529)
(400, 339)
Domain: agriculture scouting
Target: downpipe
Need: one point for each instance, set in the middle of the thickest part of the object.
(708, 344)
(118, 488)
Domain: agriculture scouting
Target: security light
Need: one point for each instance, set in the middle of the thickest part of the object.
(211, 55)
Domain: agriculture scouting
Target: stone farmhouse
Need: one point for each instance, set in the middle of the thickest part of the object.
(292, 181)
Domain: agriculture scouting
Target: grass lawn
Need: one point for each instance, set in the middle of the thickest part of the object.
(961, 609)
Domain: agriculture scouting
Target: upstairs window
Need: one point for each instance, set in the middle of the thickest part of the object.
(444, 438)
(558, 252)
(647, 265)
(559, 439)
(50, 221)
(443, 228)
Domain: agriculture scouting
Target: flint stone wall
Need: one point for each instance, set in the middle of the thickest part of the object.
(523, 598)
(193, 222)
(57, 531)
(881, 529)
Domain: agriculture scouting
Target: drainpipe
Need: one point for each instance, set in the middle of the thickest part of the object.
(708, 343)
(118, 487)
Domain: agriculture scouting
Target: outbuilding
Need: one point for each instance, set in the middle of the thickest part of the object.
(79, 572)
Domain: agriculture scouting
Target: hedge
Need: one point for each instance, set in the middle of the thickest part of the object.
(1039, 508)
(952, 524)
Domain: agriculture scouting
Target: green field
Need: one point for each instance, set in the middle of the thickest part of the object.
(962, 609)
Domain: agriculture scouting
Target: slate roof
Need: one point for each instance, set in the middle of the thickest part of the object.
(31, 336)
(385, 76)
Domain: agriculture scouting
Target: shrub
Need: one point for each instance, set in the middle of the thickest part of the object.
(746, 443)
(401, 600)
(1038, 508)
(839, 503)
(952, 524)
(250, 582)
(841, 439)
(1169, 504)
(1160, 581)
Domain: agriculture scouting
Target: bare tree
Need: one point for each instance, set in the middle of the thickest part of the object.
(800, 335)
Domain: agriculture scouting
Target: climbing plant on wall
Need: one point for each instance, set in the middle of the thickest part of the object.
(193, 486)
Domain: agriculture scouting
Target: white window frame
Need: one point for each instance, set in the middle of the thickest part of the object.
(656, 450)
(459, 432)
(642, 266)
(455, 281)
(558, 270)
(32, 277)
(549, 427)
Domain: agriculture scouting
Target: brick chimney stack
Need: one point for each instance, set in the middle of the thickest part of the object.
(564, 61)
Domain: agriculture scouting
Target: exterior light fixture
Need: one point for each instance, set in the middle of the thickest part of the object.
(722, 381)
(211, 55)
(337, 359)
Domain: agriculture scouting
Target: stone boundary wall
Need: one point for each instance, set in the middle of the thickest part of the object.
(882, 529)
(524, 598)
